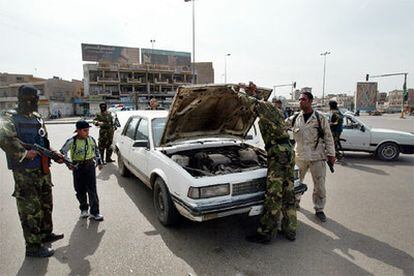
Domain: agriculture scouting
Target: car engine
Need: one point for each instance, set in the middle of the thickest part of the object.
(219, 161)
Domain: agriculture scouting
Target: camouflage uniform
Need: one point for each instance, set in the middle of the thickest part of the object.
(106, 133)
(279, 197)
(33, 188)
(335, 121)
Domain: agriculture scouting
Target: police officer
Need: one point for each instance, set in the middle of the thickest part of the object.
(105, 122)
(279, 197)
(33, 184)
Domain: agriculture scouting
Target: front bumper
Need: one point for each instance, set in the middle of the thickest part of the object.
(252, 205)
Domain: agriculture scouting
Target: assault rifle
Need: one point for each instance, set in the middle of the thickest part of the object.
(331, 166)
(48, 153)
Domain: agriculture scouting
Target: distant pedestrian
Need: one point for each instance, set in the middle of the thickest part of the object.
(85, 154)
(153, 105)
(314, 144)
(279, 105)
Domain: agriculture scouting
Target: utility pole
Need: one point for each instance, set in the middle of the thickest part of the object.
(324, 72)
(225, 67)
(193, 65)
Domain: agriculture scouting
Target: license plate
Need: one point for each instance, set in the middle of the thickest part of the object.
(256, 210)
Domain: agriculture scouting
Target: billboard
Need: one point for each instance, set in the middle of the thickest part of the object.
(108, 53)
(366, 96)
(164, 57)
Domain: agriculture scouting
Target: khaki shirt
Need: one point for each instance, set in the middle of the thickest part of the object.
(306, 136)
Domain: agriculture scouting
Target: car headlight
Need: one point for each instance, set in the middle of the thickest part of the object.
(209, 191)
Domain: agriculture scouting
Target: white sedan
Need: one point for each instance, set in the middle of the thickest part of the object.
(195, 158)
(385, 143)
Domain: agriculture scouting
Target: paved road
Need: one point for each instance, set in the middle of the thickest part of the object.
(369, 231)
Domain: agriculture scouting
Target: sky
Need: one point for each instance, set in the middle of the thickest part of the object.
(271, 42)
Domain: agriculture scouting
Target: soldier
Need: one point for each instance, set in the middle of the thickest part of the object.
(105, 121)
(336, 124)
(33, 184)
(314, 145)
(279, 197)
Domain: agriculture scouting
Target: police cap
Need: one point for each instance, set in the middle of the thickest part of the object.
(81, 124)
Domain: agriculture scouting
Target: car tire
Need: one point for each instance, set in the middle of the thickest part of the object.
(123, 170)
(164, 207)
(388, 151)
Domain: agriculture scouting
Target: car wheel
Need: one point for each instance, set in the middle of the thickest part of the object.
(164, 207)
(388, 151)
(123, 170)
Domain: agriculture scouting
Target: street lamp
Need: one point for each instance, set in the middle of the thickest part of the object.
(193, 65)
(324, 72)
(152, 43)
(225, 67)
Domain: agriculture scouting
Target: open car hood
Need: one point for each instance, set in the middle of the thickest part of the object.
(199, 111)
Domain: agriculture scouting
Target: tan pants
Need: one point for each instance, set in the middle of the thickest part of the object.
(318, 172)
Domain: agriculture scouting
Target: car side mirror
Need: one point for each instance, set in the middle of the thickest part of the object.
(117, 124)
(141, 144)
(249, 137)
(362, 128)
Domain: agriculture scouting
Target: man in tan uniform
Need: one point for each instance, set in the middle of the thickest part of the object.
(314, 145)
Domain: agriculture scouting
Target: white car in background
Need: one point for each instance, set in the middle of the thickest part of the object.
(195, 158)
(387, 144)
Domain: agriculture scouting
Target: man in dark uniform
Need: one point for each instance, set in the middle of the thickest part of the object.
(33, 184)
(105, 122)
(280, 196)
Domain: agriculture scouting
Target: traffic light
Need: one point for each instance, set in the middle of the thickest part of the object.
(294, 84)
(405, 92)
(367, 77)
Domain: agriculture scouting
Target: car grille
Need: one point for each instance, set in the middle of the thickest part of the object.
(254, 186)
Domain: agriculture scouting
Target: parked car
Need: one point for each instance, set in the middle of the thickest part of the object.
(195, 158)
(387, 144)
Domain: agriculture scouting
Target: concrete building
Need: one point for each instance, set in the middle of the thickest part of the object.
(7, 78)
(131, 84)
(395, 98)
(55, 94)
(205, 72)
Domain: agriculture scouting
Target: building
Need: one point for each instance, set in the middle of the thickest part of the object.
(382, 98)
(55, 94)
(132, 84)
(120, 75)
(296, 94)
(205, 72)
(6, 78)
(395, 98)
(366, 96)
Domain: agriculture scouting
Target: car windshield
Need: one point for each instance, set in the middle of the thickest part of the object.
(158, 126)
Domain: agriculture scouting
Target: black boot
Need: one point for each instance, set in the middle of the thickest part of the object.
(108, 156)
(291, 236)
(52, 237)
(39, 252)
(321, 216)
(259, 238)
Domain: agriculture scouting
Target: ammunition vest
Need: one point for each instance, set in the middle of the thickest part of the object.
(30, 131)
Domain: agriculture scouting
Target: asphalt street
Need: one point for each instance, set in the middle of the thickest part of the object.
(370, 227)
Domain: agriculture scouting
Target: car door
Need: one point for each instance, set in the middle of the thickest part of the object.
(141, 154)
(128, 138)
(356, 135)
